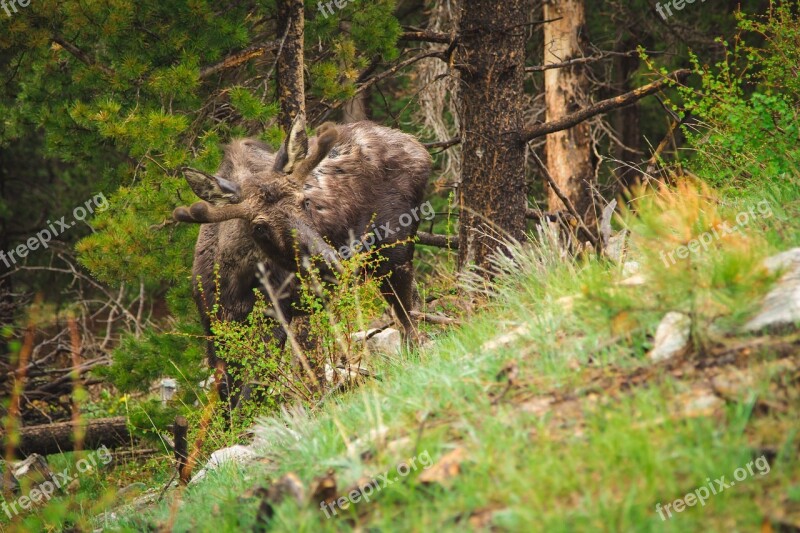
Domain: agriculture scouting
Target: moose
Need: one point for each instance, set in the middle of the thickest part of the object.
(308, 200)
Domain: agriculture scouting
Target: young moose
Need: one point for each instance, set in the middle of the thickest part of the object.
(313, 197)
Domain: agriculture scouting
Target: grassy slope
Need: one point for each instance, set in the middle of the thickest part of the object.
(588, 435)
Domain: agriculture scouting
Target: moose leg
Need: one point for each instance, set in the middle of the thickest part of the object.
(400, 291)
(231, 389)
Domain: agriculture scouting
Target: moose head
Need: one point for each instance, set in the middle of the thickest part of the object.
(271, 202)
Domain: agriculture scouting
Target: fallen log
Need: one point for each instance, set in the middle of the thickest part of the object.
(48, 439)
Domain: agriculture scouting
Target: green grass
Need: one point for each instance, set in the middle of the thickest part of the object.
(589, 435)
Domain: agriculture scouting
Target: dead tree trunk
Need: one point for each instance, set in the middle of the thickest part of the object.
(569, 156)
(291, 87)
(492, 194)
(60, 437)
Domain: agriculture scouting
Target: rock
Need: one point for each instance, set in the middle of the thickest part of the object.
(783, 261)
(781, 307)
(630, 268)
(239, 455)
(344, 374)
(672, 337)
(387, 341)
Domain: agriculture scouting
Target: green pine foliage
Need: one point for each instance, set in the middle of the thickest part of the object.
(115, 89)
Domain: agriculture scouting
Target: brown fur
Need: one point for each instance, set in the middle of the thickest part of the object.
(354, 178)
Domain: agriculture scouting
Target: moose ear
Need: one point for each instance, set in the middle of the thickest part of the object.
(295, 147)
(213, 189)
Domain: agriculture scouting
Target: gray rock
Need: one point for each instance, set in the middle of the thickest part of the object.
(672, 337)
(783, 261)
(781, 306)
(233, 455)
(387, 341)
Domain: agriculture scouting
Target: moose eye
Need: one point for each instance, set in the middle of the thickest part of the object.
(261, 231)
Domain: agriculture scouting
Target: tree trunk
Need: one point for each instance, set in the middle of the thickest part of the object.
(291, 87)
(492, 195)
(60, 437)
(569, 156)
(626, 120)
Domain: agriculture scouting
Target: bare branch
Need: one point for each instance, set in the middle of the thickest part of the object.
(81, 55)
(237, 58)
(427, 36)
(603, 106)
(588, 59)
(434, 319)
(443, 144)
(440, 241)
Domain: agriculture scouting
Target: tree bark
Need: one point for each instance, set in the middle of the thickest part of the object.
(569, 155)
(626, 121)
(492, 194)
(60, 437)
(291, 86)
(179, 432)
